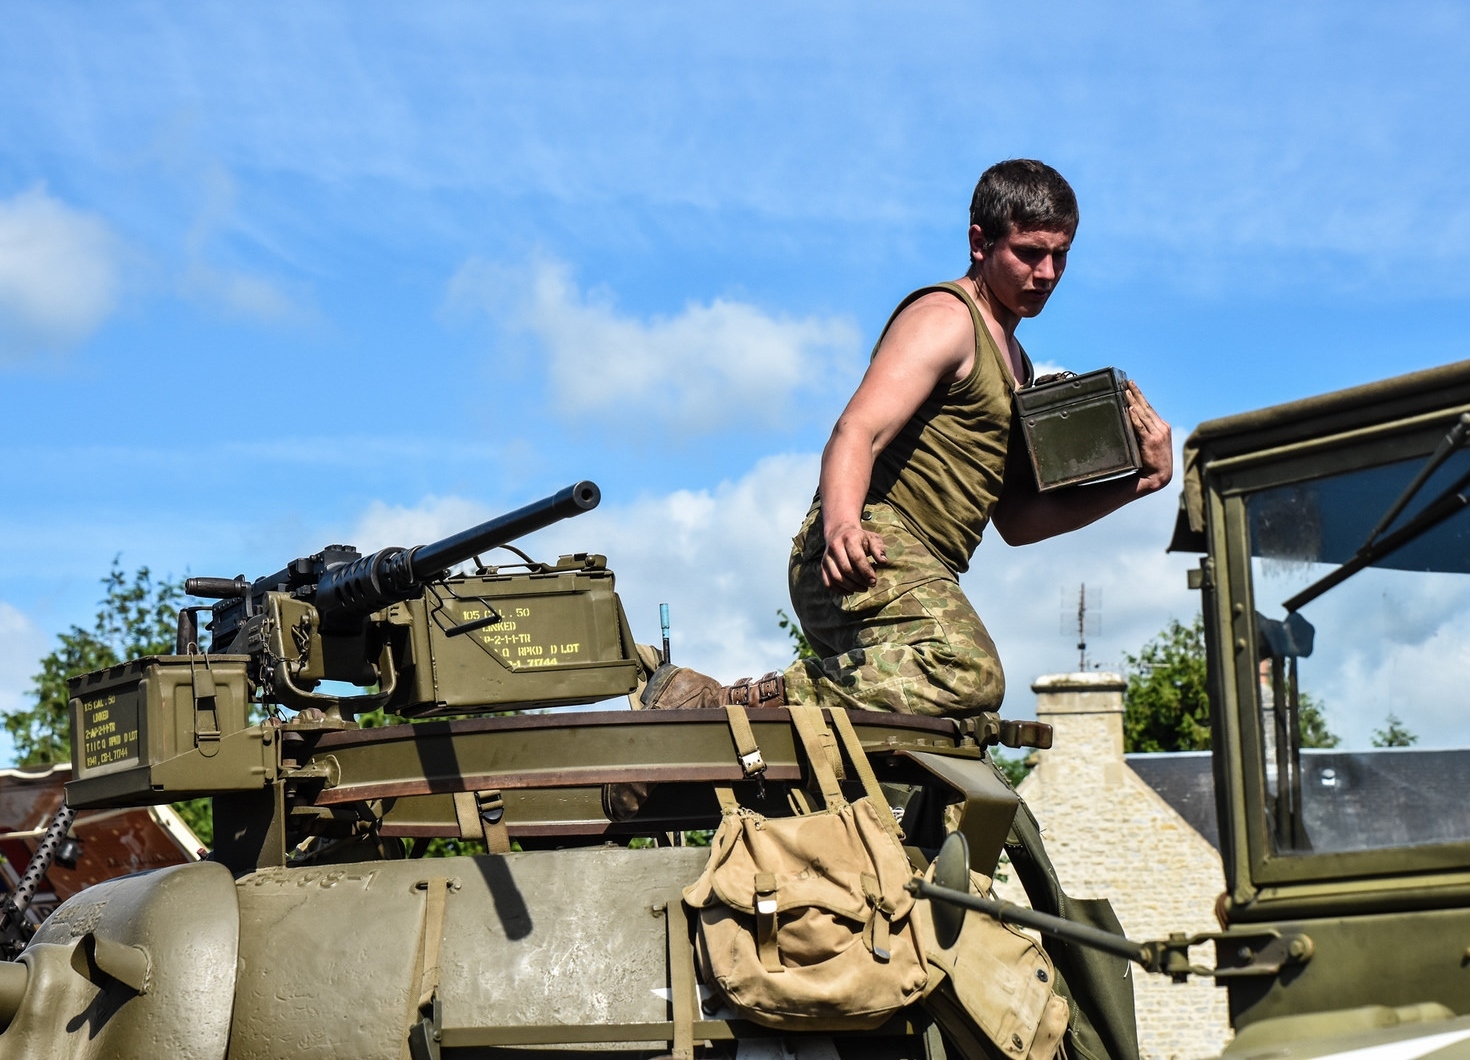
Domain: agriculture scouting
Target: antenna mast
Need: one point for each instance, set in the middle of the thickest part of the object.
(1088, 619)
(1082, 627)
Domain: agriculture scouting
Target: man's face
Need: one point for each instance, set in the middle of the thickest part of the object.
(1023, 268)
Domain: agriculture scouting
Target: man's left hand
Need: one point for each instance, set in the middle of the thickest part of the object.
(1155, 441)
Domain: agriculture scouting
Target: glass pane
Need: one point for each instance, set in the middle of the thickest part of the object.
(1363, 738)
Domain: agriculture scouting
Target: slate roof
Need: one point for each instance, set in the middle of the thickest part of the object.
(1354, 800)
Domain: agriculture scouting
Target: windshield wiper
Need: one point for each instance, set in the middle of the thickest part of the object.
(1376, 547)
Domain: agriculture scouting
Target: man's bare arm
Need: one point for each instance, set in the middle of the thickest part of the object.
(929, 346)
(1024, 516)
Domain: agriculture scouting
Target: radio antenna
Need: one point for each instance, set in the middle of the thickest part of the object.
(1088, 620)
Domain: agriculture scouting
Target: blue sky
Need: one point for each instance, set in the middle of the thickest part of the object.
(273, 276)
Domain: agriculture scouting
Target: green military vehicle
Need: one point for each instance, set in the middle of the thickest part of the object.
(1332, 584)
(1336, 589)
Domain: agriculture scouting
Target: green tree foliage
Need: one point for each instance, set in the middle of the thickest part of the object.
(1393, 734)
(198, 814)
(1166, 706)
(1015, 767)
(377, 718)
(1313, 723)
(136, 616)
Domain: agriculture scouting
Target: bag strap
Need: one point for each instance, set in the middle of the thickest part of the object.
(422, 989)
(807, 720)
(767, 905)
(843, 724)
(434, 902)
(746, 749)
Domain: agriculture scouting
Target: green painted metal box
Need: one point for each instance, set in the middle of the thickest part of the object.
(513, 641)
(1077, 429)
(163, 728)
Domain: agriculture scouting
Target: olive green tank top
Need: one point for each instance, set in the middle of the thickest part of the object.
(943, 472)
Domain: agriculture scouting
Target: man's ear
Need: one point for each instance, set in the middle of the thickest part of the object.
(977, 244)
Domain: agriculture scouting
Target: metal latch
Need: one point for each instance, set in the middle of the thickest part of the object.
(206, 737)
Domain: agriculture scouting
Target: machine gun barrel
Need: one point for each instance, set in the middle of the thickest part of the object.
(394, 574)
(429, 560)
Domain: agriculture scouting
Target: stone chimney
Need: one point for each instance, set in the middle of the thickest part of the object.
(1085, 711)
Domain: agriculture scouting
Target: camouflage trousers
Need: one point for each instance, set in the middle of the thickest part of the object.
(911, 643)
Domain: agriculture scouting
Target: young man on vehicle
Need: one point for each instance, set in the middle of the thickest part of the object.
(921, 461)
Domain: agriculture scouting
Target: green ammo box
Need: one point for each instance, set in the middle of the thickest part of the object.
(132, 726)
(556, 636)
(1077, 429)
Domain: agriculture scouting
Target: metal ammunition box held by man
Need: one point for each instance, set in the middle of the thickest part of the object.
(1335, 588)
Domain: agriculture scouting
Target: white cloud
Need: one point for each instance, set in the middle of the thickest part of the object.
(709, 366)
(434, 518)
(1047, 367)
(716, 557)
(1202, 134)
(58, 274)
(1387, 641)
(239, 293)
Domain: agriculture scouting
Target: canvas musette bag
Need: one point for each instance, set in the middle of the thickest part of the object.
(804, 922)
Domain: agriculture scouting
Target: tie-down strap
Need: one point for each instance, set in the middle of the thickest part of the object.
(747, 751)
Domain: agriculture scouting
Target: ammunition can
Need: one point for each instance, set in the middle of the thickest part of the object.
(1077, 429)
(515, 641)
(135, 726)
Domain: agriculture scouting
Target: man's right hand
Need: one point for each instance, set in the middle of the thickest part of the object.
(851, 556)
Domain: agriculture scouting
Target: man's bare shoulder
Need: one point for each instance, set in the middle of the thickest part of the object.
(939, 305)
(937, 328)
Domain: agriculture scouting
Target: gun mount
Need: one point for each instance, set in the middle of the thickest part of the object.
(336, 634)
(313, 620)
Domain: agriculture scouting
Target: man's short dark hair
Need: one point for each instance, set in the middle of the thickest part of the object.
(1022, 193)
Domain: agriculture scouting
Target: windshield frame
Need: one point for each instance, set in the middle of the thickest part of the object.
(1257, 873)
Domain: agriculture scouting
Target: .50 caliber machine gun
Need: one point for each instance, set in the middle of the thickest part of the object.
(338, 633)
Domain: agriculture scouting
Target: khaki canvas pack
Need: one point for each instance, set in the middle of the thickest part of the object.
(996, 983)
(804, 922)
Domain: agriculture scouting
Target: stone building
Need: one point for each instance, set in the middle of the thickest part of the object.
(1111, 835)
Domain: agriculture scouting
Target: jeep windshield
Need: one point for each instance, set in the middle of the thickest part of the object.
(1363, 726)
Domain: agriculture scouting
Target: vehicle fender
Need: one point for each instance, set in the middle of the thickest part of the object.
(140, 966)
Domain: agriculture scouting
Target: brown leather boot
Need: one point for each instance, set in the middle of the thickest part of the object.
(680, 688)
(621, 802)
(669, 688)
(767, 691)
